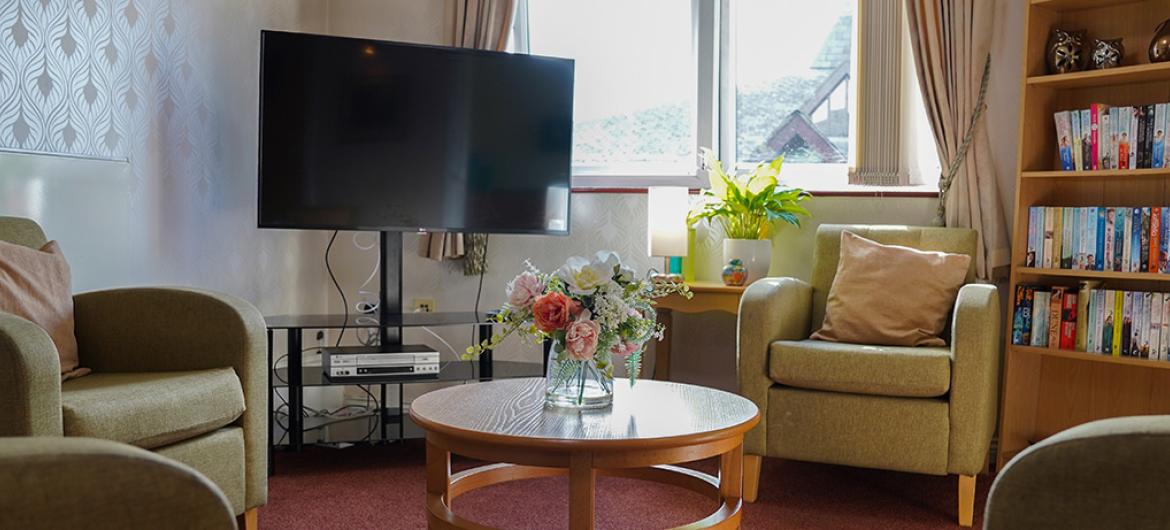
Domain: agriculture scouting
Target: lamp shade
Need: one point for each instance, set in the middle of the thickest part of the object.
(667, 221)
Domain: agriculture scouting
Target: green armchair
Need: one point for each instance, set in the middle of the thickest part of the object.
(55, 482)
(179, 372)
(1103, 474)
(922, 410)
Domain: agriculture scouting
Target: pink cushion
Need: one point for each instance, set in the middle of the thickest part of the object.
(34, 285)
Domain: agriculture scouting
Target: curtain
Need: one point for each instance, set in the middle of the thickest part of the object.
(951, 41)
(483, 25)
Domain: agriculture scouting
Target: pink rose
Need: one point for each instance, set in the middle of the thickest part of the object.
(623, 348)
(553, 311)
(523, 290)
(581, 339)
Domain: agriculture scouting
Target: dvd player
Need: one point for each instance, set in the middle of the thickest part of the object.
(364, 363)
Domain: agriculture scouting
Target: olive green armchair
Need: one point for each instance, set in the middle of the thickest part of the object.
(179, 372)
(921, 410)
(1103, 474)
(55, 482)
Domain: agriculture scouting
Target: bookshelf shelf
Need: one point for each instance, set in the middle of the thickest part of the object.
(1121, 75)
(1092, 357)
(1094, 275)
(1154, 173)
(1047, 390)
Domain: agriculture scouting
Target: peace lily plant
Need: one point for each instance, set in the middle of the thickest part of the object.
(747, 207)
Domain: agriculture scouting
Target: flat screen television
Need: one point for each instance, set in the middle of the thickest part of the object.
(361, 134)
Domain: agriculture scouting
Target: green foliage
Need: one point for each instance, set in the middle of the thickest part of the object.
(747, 207)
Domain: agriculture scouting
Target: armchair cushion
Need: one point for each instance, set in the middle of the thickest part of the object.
(895, 371)
(152, 409)
(35, 285)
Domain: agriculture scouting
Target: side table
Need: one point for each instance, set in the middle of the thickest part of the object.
(708, 296)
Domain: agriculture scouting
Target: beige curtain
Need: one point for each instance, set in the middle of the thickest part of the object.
(483, 25)
(951, 40)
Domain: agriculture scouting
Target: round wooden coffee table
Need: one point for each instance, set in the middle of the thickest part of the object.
(650, 427)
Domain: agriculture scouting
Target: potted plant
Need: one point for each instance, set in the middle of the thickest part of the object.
(746, 208)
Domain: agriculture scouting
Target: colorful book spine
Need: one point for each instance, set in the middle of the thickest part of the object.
(1118, 309)
(1144, 259)
(1074, 123)
(1155, 239)
(1155, 325)
(1033, 231)
(1040, 318)
(1066, 229)
(1095, 112)
(1164, 241)
(1120, 214)
(1164, 346)
(1057, 234)
(1146, 317)
(1135, 236)
(1082, 324)
(1092, 332)
(1045, 258)
(1127, 325)
(1107, 297)
(1149, 145)
(1055, 311)
(1158, 143)
(1099, 239)
(1107, 255)
(1143, 158)
(1124, 116)
(1133, 128)
(1068, 321)
(1064, 140)
(1019, 317)
(1106, 135)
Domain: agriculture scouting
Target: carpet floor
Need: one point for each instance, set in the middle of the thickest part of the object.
(382, 487)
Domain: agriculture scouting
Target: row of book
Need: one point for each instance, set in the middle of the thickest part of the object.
(1096, 238)
(1104, 137)
(1095, 320)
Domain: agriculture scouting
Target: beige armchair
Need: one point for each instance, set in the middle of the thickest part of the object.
(179, 372)
(1104, 474)
(922, 410)
(54, 482)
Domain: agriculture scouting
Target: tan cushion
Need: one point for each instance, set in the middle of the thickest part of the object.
(899, 371)
(891, 295)
(35, 285)
(151, 409)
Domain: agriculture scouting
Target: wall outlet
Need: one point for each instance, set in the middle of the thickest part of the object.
(424, 305)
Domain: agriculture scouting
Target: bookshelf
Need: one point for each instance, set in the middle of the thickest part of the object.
(1047, 390)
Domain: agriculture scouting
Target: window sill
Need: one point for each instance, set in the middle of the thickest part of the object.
(850, 191)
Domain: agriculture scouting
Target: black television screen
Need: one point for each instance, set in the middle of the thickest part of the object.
(370, 135)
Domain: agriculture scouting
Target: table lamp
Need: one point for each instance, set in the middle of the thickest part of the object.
(667, 228)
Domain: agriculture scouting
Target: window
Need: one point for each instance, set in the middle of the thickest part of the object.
(657, 79)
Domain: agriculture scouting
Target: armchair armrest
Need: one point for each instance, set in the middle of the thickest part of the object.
(1096, 475)
(771, 309)
(56, 482)
(975, 345)
(148, 329)
(30, 380)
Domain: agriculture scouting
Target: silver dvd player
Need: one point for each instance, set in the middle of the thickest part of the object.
(362, 363)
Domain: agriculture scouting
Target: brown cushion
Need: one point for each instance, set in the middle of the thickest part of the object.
(898, 371)
(35, 285)
(151, 409)
(891, 295)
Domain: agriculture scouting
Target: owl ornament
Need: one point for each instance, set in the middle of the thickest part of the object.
(1107, 53)
(1066, 51)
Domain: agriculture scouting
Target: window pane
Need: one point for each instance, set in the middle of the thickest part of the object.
(792, 80)
(634, 102)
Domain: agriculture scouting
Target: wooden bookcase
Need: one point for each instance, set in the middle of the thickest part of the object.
(1047, 390)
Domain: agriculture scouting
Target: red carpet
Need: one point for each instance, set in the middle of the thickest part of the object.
(382, 487)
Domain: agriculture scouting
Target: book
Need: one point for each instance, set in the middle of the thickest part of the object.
(1066, 228)
(1144, 259)
(1033, 220)
(1082, 324)
(1064, 140)
(1092, 331)
(1106, 135)
(1133, 128)
(1157, 144)
(1135, 236)
(1086, 220)
(1107, 255)
(1075, 250)
(1040, 317)
(1057, 234)
(1143, 157)
(1074, 123)
(1164, 346)
(1107, 320)
(1124, 115)
(1096, 111)
(1099, 320)
(1045, 258)
(1055, 311)
(1149, 144)
(1068, 321)
(1018, 316)
(1127, 324)
(1120, 214)
(1096, 261)
(1155, 239)
(1127, 241)
(1164, 241)
(1118, 309)
(1155, 325)
(1145, 316)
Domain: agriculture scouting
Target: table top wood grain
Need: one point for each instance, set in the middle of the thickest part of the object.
(651, 413)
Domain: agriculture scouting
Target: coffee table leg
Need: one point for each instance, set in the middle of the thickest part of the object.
(731, 473)
(582, 478)
(438, 471)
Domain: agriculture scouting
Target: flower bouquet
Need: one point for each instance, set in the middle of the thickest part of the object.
(595, 312)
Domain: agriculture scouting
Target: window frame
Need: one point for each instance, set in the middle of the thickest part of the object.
(714, 79)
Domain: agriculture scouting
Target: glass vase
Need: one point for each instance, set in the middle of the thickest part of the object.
(577, 384)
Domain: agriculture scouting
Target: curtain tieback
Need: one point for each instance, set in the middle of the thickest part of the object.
(948, 177)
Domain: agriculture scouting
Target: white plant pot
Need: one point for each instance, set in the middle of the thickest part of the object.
(756, 255)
